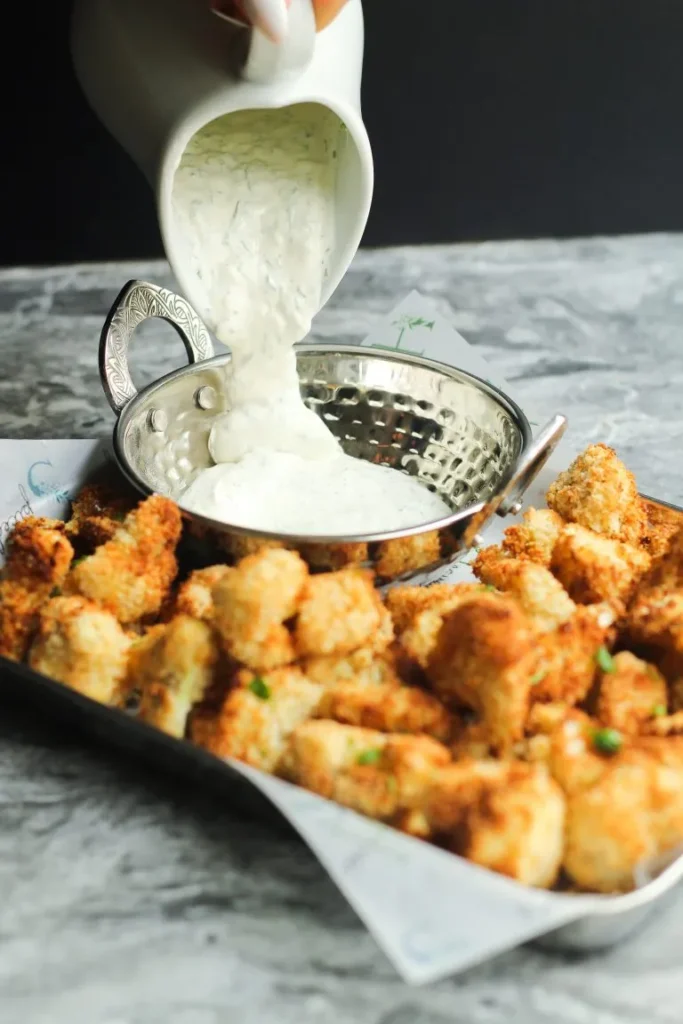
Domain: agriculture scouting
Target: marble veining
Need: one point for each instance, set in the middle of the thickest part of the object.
(131, 898)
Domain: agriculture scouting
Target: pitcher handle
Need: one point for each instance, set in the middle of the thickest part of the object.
(138, 301)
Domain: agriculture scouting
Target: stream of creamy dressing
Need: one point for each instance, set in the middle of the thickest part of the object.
(254, 210)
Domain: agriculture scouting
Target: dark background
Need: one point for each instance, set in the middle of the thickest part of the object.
(501, 119)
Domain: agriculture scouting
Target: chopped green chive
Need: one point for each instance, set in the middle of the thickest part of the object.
(538, 677)
(604, 660)
(489, 586)
(607, 741)
(659, 711)
(259, 688)
(371, 756)
(56, 592)
(77, 561)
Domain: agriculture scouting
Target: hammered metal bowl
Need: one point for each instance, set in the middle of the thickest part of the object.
(460, 436)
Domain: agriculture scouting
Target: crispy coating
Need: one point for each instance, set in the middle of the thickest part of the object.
(257, 717)
(364, 667)
(573, 760)
(485, 659)
(38, 559)
(634, 811)
(389, 708)
(594, 568)
(173, 672)
(81, 646)
(419, 634)
(662, 525)
(131, 574)
(506, 816)
(566, 665)
(656, 619)
(339, 612)
(333, 556)
(405, 554)
(665, 725)
(631, 694)
(195, 594)
(533, 539)
(668, 571)
(252, 604)
(375, 773)
(98, 511)
(539, 594)
(598, 492)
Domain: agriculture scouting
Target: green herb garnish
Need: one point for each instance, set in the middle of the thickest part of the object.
(259, 688)
(607, 741)
(604, 660)
(659, 711)
(489, 586)
(538, 677)
(56, 592)
(78, 560)
(371, 756)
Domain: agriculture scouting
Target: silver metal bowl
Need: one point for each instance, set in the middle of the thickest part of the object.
(463, 438)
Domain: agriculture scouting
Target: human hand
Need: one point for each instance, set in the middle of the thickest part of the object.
(270, 16)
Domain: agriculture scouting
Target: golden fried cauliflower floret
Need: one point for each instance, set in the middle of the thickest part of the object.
(132, 573)
(633, 812)
(418, 614)
(333, 556)
(195, 594)
(539, 594)
(662, 525)
(338, 613)
(239, 546)
(669, 569)
(505, 816)
(257, 716)
(533, 539)
(174, 672)
(598, 492)
(485, 659)
(388, 708)
(81, 646)
(38, 559)
(376, 774)
(253, 601)
(574, 760)
(656, 619)
(364, 667)
(98, 511)
(593, 568)
(406, 554)
(631, 694)
(567, 663)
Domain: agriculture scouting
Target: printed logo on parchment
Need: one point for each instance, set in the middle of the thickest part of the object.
(38, 485)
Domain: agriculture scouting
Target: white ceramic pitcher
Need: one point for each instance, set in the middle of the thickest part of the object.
(157, 71)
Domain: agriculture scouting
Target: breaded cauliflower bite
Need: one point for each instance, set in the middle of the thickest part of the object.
(333, 556)
(418, 614)
(195, 594)
(567, 658)
(598, 492)
(253, 602)
(82, 646)
(634, 811)
(662, 525)
(656, 619)
(397, 557)
(131, 574)
(38, 559)
(593, 568)
(485, 658)
(382, 776)
(339, 612)
(389, 708)
(631, 694)
(174, 672)
(506, 816)
(533, 539)
(98, 511)
(539, 594)
(257, 717)
(364, 667)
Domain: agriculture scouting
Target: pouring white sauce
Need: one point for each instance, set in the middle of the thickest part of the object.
(254, 205)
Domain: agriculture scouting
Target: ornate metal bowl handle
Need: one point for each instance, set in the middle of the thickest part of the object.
(509, 500)
(139, 301)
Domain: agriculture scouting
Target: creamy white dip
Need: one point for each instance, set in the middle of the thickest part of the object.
(254, 208)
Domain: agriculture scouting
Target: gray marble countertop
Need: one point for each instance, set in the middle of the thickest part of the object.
(127, 898)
